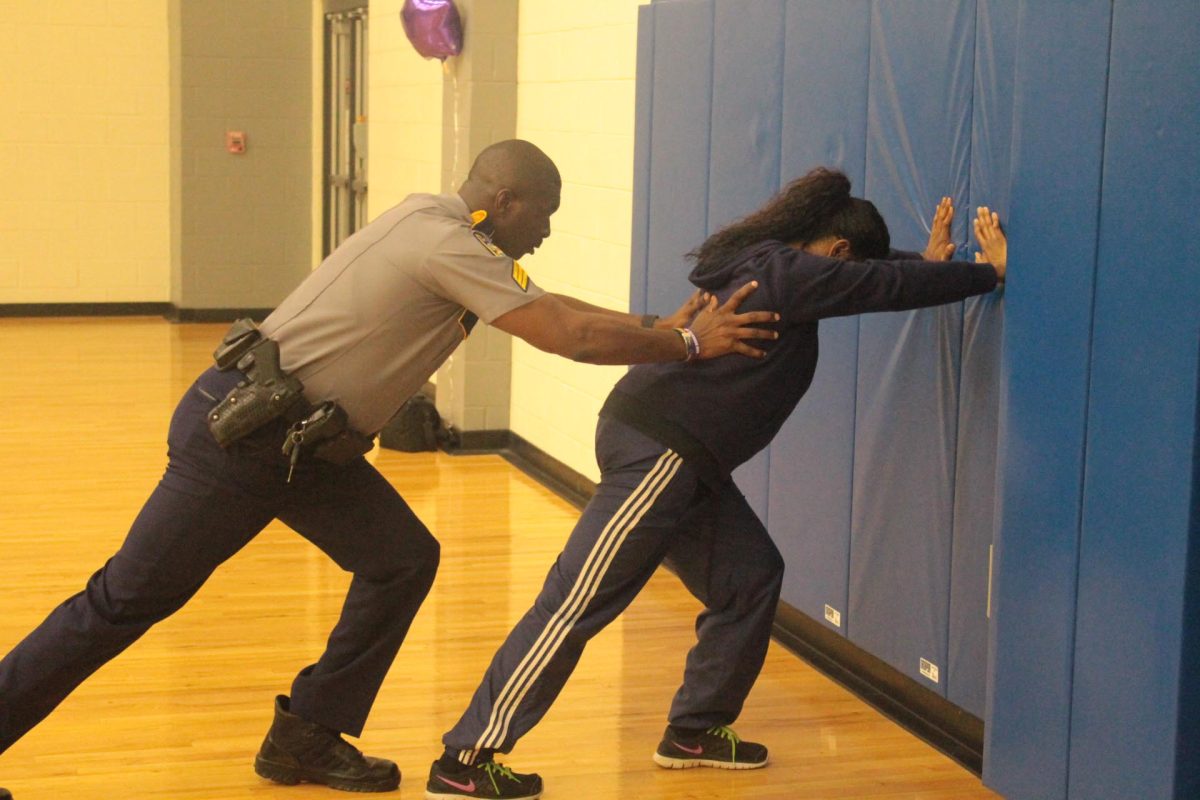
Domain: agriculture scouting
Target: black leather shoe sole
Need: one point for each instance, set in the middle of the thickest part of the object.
(290, 775)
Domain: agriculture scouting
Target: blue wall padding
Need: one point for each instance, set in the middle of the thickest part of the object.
(747, 91)
(992, 117)
(979, 395)
(918, 149)
(639, 240)
(1059, 420)
(974, 503)
(744, 169)
(825, 74)
(826, 60)
(679, 131)
(1187, 763)
(901, 518)
(1058, 124)
(1140, 473)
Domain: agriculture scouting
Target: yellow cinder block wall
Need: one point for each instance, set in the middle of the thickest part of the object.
(575, 93)
(85, 144)
(404, 109)
(84, 152)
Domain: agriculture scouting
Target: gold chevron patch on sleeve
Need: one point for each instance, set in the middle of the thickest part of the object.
(519, 277)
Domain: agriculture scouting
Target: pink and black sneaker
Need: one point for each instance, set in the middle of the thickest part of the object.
(716, 747)
(482, 779)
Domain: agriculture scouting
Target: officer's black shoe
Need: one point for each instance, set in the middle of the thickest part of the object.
(5, 794)
(299, 751)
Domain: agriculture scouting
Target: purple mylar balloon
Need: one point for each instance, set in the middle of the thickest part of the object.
(433, 27)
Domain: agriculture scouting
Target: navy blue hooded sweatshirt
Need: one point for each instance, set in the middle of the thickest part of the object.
(718, 413)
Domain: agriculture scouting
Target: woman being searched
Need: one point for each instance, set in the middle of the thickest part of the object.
(668, 438)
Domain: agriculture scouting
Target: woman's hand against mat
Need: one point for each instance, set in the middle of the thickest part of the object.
(993, 244)
(940, 247)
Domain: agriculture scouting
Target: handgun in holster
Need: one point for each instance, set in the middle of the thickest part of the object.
(268, 392)
(236, 342)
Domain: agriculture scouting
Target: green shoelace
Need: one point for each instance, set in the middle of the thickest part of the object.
(491, 768)
(725, 732)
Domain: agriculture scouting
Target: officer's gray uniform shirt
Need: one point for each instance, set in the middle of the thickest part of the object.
(369, 326)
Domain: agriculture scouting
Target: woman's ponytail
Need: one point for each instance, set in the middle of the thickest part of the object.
(810, 207)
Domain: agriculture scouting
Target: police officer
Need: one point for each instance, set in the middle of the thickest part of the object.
(361, 334)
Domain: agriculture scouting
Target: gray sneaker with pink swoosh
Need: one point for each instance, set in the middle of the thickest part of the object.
(484, 779)
(716, 747)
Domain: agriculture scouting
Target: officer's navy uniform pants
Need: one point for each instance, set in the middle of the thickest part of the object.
(650, 506)
(209, 503)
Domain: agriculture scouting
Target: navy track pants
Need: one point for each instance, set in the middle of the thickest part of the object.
(650, 507)
(208, 505)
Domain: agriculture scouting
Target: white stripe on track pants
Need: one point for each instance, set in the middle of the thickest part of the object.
(650, 507)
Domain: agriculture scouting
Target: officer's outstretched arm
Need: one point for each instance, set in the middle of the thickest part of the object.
(680, 319)
(549, 324)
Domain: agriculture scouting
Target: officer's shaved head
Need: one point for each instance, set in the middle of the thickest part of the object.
(514, 164)
(517, 187)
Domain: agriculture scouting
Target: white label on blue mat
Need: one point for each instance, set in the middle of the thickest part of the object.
(833, 616)
(929, 670)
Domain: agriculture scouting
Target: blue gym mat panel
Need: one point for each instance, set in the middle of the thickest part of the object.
(1140, 471)
(974, 510)
(679, 135)
(979, 382)
(747, 92)
(918, 150)
(639, 240)
(1187, 762)
(1058, 122)
(825, 79)
(745, 144)
(826, 71)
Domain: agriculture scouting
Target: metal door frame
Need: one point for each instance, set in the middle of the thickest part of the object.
(344, 161)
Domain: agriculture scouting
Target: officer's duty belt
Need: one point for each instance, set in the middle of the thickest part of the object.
(269, 393)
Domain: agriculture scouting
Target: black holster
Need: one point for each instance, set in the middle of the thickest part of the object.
(269, 393)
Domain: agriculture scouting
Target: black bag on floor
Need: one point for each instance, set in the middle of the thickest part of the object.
(416, 427)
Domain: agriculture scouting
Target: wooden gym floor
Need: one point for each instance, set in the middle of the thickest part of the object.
(180, 715)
